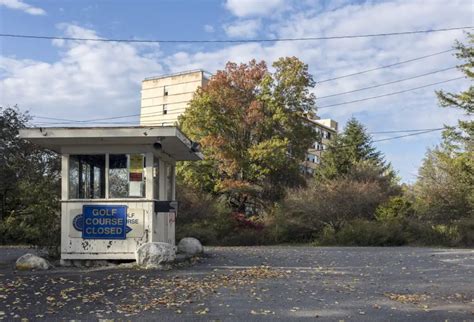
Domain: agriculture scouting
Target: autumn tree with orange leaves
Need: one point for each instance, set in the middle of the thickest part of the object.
(251, 125)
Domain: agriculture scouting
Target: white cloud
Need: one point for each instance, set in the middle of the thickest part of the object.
(209, 28)
(243, 28)
(91, 80)
(326, 59)
(103, 79)
(20, 5)
(245, 8)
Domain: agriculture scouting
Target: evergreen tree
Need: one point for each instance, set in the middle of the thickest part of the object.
(463, 100)
(444, 190)
(350, 148)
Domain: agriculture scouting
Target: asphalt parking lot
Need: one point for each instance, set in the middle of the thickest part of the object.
(253, 284)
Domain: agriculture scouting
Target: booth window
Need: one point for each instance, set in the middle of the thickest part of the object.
(87, 176)
(126, 175)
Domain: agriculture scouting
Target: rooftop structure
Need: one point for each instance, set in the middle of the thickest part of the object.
(166, 97)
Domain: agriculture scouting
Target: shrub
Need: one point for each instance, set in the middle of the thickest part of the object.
(365, 233)
(465, 228)
(396, 208)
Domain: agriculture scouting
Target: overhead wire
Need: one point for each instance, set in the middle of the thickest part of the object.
(390, 94)
(387, 83)
(385, 66)
(381, 140)
(409, 32)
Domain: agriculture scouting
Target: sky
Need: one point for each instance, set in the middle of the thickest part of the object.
(83, 80)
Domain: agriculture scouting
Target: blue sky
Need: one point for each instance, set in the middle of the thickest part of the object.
(83, 80)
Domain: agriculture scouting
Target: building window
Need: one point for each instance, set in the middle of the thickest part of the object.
(165, 109)
(126, 175)
(87, 176)
(165, 91)
(328, 135)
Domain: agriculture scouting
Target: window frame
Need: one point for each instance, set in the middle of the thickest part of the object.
(106, 181)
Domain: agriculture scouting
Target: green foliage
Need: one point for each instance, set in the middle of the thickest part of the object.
(444, 190)
(396, 208)
(29, 187)
(364, 233)
(250, 124)
(350, 148)
(465, 229)
(464, 100)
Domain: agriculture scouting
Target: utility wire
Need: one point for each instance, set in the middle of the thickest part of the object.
(385, 66)
(390, 94)
(410, 32)
(410, 130)
(407, 135)
(381, 140)
(143, 115)
(388, 83)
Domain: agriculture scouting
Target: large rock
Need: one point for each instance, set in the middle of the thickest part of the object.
(152, 255)
(30, 262)
(190, 246)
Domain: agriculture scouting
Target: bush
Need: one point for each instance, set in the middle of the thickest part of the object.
(209, 219)
(396, 208)
(364, 233)
(465, 228)
(306, 211)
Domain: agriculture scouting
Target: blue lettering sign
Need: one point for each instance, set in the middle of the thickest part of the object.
(104, 222)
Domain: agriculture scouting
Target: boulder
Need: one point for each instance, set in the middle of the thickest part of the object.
(190, 246)
(152, 255)
(30, 262)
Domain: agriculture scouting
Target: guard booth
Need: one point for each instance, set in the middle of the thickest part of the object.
(118, 186)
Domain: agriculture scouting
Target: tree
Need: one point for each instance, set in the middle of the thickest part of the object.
(444, 190)
(346, 150)
(29, 186)
(463, 100)
(252, 129)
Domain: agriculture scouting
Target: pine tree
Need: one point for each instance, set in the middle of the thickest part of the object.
(463, 100)
(350, 148)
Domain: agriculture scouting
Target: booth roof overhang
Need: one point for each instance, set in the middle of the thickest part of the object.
(169, 138)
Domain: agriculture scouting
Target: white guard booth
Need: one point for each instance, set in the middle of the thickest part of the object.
(118, 186)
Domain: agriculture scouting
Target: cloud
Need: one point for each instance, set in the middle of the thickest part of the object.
(327, 59)
(243, 29)
(208, 28)
(103, 79)
(20, 5)
(245, 8)
(91, 79)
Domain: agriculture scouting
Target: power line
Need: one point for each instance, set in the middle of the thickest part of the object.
(386, 139)
(385, 66)
(390, 94)
(411, 130)
(388, 83)
(407, 135)
(411, 32)
(142, 115)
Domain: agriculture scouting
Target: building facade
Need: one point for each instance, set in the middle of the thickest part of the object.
(164, 98)
(327, 130)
